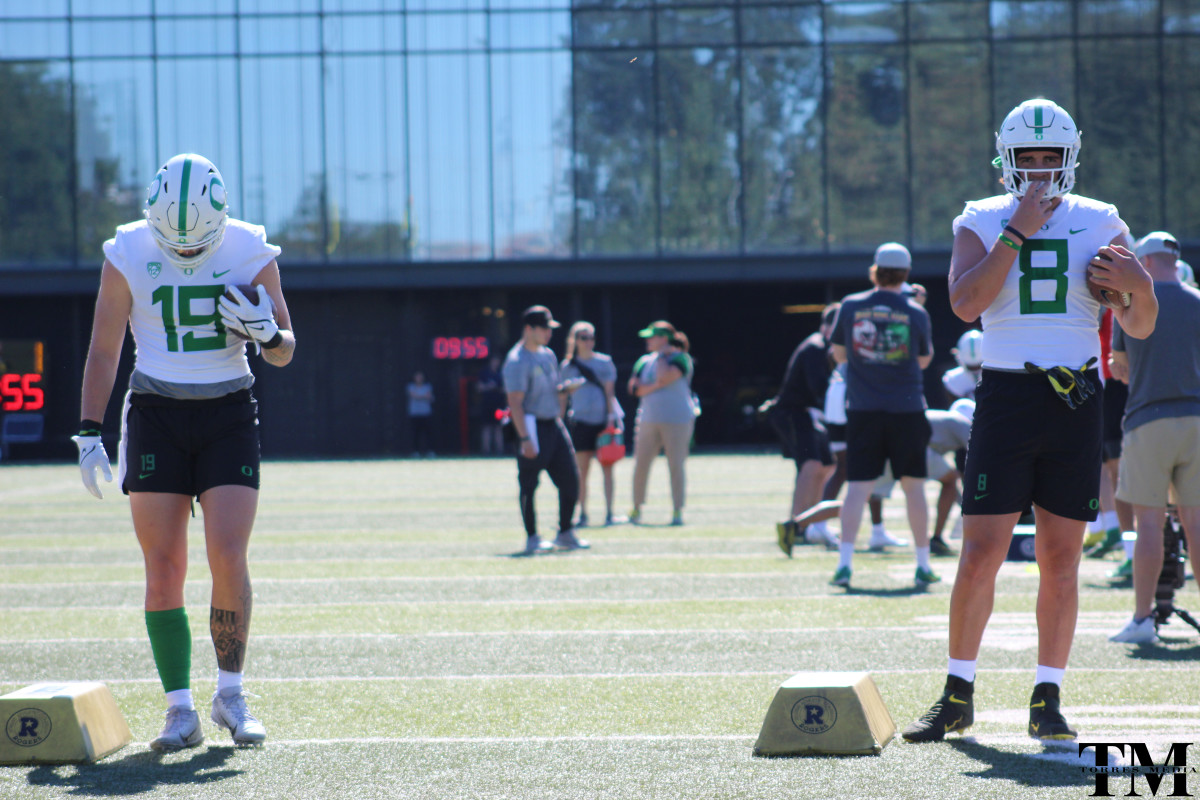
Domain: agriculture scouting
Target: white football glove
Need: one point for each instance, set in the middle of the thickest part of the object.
(92, 459)
(252, 318)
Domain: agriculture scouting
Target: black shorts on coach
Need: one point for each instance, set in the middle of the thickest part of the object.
(1027, 446)
(801, 438)
(190, 446)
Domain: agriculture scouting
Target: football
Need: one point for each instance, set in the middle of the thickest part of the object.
(1104, 296)
(248, 291)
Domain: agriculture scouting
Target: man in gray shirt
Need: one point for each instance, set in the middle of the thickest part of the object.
(537, 398)
(1161, 447)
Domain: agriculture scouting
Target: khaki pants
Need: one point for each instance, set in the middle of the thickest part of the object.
(652, 438)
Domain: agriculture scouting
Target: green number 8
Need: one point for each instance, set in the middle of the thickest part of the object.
(1056, 273)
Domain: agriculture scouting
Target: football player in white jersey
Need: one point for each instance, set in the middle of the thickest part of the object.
(961, 381)
(1021, 262)
(189, 426)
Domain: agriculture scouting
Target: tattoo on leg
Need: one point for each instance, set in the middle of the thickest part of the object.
(230, 630)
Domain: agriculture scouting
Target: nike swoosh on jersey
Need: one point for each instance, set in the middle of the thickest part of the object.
(981, 496)
(142, 476)
(219, 274)
(1076, 230)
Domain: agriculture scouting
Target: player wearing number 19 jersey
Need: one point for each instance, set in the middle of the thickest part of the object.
(189, 425)
(1021, 263)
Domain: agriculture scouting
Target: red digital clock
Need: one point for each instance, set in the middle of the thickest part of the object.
(21, 392)
(22, 367)
(460, 347)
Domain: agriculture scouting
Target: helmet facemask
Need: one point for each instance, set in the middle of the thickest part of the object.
(1038, 125)
(186, 207)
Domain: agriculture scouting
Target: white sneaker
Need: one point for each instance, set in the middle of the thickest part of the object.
(567, 540)
(820, 534)
(182, 729)
(229, 711)
(880, 539)
(1136, 632)
(534, 546)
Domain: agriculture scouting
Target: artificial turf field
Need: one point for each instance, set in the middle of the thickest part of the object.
(398, 651)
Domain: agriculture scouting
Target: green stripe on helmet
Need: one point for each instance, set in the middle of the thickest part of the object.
(183, 196)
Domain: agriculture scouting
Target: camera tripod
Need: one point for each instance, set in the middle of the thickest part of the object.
(1173, 574)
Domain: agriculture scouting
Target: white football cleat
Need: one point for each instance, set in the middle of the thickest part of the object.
(880, 539)
(229, 711)
(181, 730)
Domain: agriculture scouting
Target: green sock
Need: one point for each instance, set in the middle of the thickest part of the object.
(171, 642)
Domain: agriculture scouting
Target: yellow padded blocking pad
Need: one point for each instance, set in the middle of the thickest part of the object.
(826, 713)
(59, 723)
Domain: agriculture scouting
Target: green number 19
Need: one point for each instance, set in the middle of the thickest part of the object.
(1056, 273)
(191, 342)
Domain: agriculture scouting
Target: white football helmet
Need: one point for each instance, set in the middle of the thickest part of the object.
(1038, 124)
(1185, 272)
(964, 408)
(969, 350)
(186, 207)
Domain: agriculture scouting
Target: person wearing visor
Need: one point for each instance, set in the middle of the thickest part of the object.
(1032, 264)
(195, 287)
(666, 415)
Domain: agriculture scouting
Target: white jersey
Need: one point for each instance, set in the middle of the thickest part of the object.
(1044, 312)
(835, 396)
(177, 330)
(961, 382)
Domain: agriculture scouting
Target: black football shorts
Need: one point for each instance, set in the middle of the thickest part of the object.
(1027, 446)
(190, 446)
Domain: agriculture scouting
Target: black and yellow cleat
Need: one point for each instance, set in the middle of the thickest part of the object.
(1111, 541)
(1045, 720)
(938, 547)
(785, 532)
(954, 712)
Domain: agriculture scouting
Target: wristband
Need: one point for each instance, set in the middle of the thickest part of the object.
(1009, 242)
(1019, 236)
(89, 427)
(273, 342)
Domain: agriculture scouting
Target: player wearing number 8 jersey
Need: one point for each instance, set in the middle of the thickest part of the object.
(1022, 261)
(189, 425)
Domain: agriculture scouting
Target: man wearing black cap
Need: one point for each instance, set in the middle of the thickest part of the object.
(537, 399)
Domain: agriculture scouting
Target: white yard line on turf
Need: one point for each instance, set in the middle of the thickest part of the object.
(605, 676)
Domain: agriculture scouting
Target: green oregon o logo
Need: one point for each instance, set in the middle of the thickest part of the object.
(248, 471)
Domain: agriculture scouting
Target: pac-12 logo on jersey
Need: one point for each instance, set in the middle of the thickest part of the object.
(154, 268)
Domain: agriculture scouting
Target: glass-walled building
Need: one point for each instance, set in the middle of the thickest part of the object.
(414, 132)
